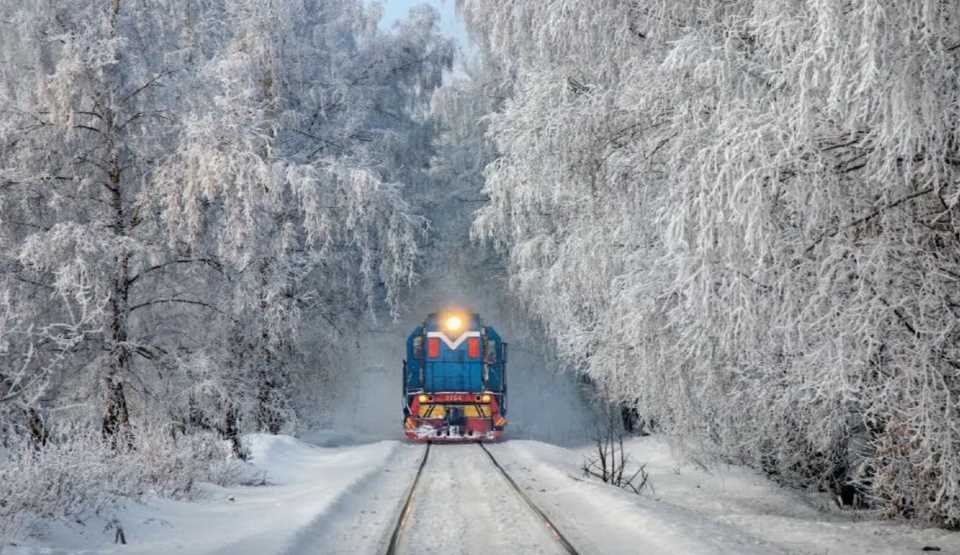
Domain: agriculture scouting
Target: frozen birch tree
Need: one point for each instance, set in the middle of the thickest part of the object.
(196, 205)
(84, 125)
(305, 149)
(462, 151)
(162, 172)
(744, 214)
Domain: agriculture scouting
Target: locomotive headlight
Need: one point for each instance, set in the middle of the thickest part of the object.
(454, 323)
(423, 398)
(485, 398)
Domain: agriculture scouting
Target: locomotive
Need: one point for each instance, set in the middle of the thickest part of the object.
(454, 380)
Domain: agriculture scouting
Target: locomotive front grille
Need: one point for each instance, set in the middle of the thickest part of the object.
(455, 416)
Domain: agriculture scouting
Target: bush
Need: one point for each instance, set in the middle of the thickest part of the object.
(76, 474)
(610, 462)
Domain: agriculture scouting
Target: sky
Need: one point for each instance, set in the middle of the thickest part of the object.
(450, 23)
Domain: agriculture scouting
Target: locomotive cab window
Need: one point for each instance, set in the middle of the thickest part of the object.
(418, 347)
(489, 352)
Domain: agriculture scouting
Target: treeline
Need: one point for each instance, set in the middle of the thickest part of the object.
(197, 202)
(743, 217)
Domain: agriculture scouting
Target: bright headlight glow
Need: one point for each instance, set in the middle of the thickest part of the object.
(454, 323)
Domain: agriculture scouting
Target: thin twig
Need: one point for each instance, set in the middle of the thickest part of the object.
(870, 216)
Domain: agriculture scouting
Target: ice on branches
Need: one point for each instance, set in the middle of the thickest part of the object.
(744, 214)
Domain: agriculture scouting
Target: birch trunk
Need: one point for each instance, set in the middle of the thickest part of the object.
(116, 416)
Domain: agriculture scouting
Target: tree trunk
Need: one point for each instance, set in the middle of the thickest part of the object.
(39, 433)
(231, 431)
(196, 420)
(116, 416)
(269, 417)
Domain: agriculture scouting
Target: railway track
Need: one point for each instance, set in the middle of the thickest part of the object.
(411, 494)
(407, 503)
(554, 531)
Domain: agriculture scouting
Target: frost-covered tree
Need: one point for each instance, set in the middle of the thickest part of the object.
(463, 150)
(88, 112)
(197, 211)
(198, 203)
(314, 131)
(744, 214)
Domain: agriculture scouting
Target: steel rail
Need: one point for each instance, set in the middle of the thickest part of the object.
(533, 506)
(405, 511)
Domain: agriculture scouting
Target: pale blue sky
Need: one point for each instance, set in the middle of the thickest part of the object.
(449, 23)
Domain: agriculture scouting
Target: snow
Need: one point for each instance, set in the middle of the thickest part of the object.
(305, 483)
(598, 518)
(798, 521)
(463, 505)
(723, 509)
(344, 498)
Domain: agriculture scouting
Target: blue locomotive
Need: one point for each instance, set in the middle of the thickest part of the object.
(454, 380)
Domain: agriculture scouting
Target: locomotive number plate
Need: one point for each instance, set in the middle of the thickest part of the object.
(455, 398)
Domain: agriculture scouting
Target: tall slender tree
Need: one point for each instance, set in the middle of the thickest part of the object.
(84, 125)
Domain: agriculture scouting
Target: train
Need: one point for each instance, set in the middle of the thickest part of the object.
(454, 380)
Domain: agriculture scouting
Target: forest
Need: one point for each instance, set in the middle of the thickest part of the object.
(738, 218)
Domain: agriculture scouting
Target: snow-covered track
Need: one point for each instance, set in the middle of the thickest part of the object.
(478, 479)
(533, 506)
(405, 511)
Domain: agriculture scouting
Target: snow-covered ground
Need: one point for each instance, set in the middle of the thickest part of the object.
(462, 504)
(726, 509)
(344, 497)
(305, 484)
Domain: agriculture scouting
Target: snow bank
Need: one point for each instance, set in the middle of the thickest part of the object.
(801, 522)
(304, 482)
(692, 509)
(344, 500)
(602, 519)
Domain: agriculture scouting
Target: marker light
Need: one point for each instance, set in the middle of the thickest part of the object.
(423, 398)
(485, 398)
(454, 323)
